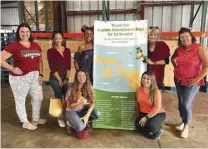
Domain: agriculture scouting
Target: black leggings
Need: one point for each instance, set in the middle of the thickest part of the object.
(152, 126)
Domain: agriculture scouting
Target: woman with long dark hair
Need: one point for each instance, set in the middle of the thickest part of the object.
(80, 102)
(59, 60)
(149, 108)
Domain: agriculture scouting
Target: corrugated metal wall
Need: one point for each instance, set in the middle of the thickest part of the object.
(172, 18)
(9, 16)
(74, 23)
(168, 18)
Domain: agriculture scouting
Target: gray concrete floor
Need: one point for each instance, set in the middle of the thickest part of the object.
(51, 135)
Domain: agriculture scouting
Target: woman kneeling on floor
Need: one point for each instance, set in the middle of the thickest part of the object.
(80, 102)
(150, 112)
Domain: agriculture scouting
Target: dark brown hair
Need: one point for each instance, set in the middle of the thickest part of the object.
(86, 89)
(54, 34)
(17, 32)
(85, 28)
(185, 30)
(153, 85)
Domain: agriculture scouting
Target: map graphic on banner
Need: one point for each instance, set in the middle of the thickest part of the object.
(117, 71)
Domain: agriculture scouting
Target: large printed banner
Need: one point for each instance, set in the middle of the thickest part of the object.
(118, 50)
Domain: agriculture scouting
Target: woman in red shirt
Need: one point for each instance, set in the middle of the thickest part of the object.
(190, 61)
(59, 60)
(26, 74)
(158, 55)
(149, 108)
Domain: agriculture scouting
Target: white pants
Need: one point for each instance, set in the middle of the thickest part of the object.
(21, 86)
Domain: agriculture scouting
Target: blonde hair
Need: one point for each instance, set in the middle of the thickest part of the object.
(155, 30)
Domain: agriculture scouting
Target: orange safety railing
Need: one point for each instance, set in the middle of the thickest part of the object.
(175, 34)
(66, 35)
(81, 35)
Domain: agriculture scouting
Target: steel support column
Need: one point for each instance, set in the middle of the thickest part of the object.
(108, 10)
(46, 15)
(204, 28)
(191, 15)
(204, 23)
(105, 10)
(36, 15)
(21, 12)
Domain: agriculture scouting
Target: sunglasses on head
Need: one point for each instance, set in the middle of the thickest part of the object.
(151, 27)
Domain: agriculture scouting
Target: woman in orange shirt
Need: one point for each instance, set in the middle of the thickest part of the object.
(149, 108)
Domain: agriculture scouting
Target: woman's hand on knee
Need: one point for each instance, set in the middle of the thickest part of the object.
(143, 121)
(85, 119)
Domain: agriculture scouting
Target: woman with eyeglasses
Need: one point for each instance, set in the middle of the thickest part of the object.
(149, 108)
(83, 58)
(190, 61)
(158, 55)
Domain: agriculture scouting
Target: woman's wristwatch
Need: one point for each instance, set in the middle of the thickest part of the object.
(147, 117)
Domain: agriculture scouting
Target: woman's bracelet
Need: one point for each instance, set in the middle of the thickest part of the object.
(66, 78)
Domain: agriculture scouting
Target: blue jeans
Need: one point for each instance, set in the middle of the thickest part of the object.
(185, 98)
(59, 92)
(73, 117)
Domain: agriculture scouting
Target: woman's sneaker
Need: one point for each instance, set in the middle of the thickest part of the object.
(185, 132)
(180, 127)
(29, 126)
(41, 121)
(61, 122)
(159, 134)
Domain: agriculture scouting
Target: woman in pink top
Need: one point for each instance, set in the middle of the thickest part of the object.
(190, 60)
(149, 107)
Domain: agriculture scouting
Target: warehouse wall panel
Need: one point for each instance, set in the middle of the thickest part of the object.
(97, 5)
(157, 16)
(167, 14)
(9, 16)
(172, 18)
(176, 18)
(148, 15)
(186, 16)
